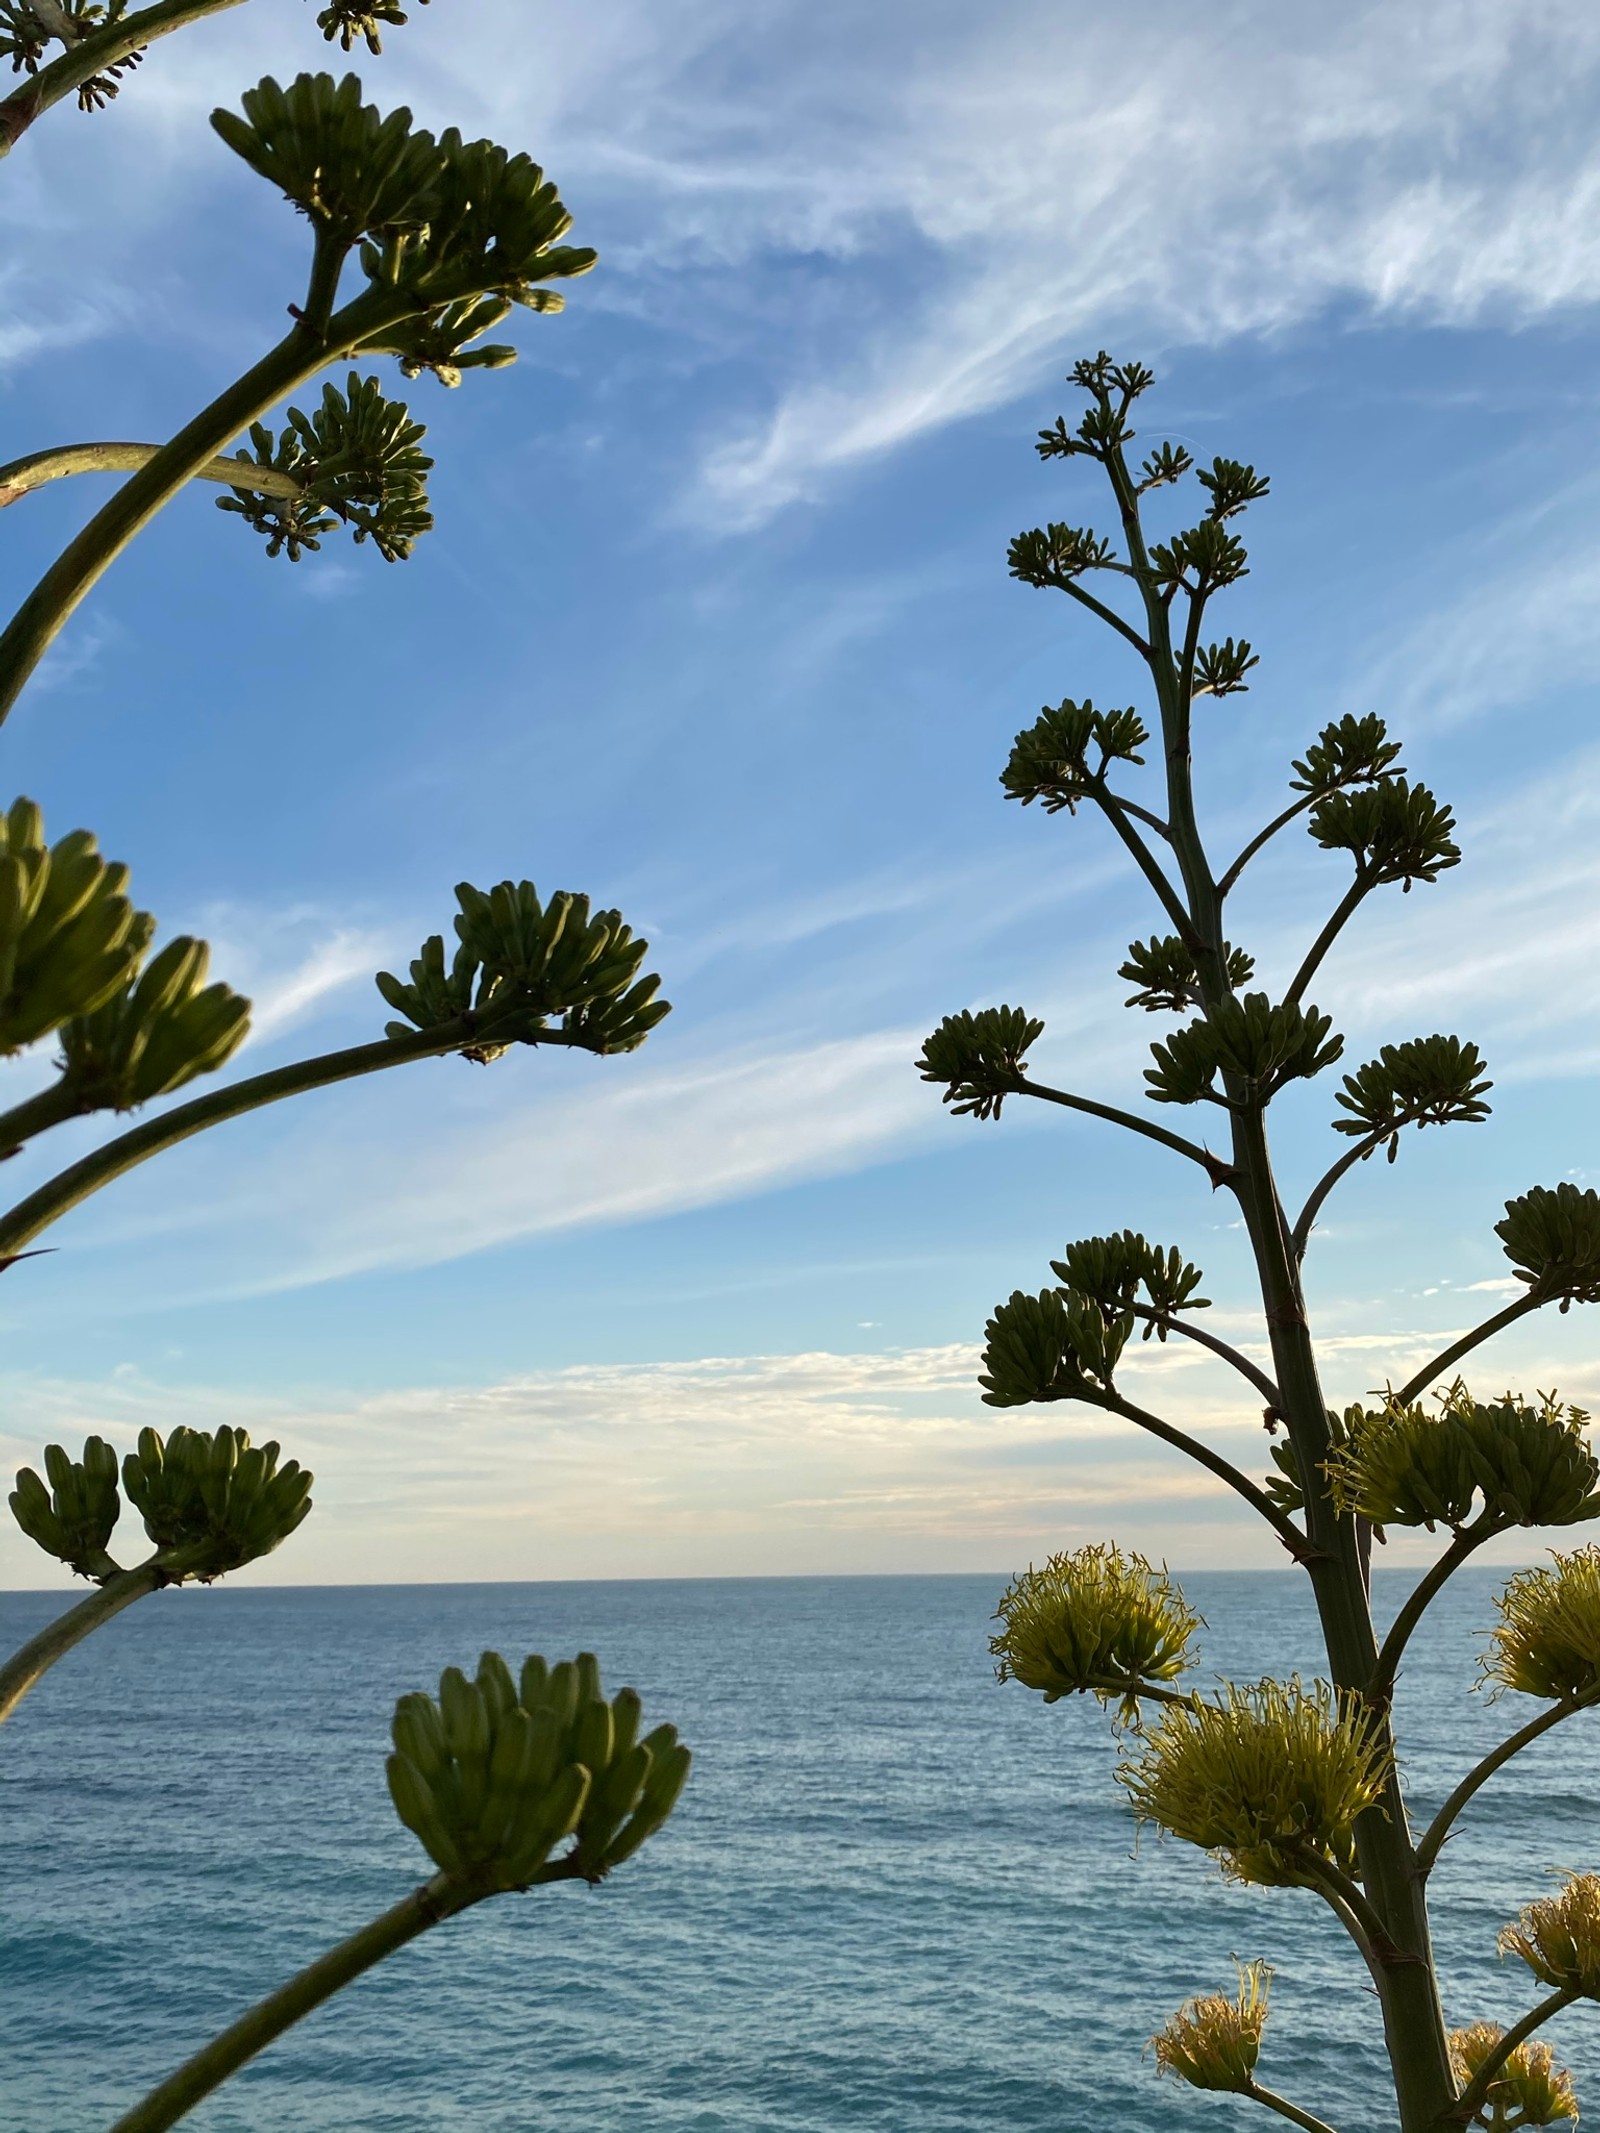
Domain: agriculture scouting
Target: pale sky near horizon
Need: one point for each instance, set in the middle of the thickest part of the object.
(716, 625)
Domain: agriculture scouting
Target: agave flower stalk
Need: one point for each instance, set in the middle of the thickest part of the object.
(1283, 1785)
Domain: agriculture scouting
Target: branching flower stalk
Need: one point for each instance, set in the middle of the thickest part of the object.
(509, 1782)
(1284, 1786)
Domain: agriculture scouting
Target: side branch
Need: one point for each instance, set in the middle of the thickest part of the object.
(1280, 1522)
(1262, 837)
(1284, 2108)
(1075, 591)
(73, 1185)
(1229, 1354)
(95, 54)
(1171, 902)
(1343, 912)
(57, 1638)
(1300, 1237)
(19, 476)
(1439, 1828)
(1216, 1168)
(1420, 1599)
(1472, 2096)
(1468, 1341)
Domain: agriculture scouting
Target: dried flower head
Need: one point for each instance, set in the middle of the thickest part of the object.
(1268, 1778)
(1547, 1641)
(1096, 1623)
(1214, 2042)
(1559, 1937)
(1529, 2089)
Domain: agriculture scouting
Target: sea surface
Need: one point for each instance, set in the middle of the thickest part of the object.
(895, 1895)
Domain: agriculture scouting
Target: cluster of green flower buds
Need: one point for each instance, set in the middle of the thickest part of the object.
(1116, 1271)
(1262, 1045)
(1427, 1081)
(349, 19)
(500, 1770)
(1395, 831)
(1164, 971)
(1527, 1465)
(1547, 1641)
(981, 1058)
(355, 460)
(1053, 1346)
(1527, 2088)
(155, 1033)
(439, 220)
(521, 962)
(1214, 2042)
(1551, 1235)
(1270, 1779)
(1559, 1937)
(210, 1500)
(1050, 760)
(74, 1517)
(1352, 751)
(1094, 1623)
(68, 934)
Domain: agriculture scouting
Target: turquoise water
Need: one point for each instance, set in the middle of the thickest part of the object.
(895, 1895)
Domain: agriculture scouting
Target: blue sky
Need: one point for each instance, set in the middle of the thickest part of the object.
(716, 626)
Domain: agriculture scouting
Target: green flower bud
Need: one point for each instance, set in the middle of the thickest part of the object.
(211, 1501)
(74, 1517)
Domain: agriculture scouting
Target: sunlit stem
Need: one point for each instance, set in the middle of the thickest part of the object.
(1468, 1341)
(73, 1185)
(96, 54)
(57, 1638)
(1472, 2096)
(1439, 1828)
(1286, 2109)
(1420, 1598)
(21, 476)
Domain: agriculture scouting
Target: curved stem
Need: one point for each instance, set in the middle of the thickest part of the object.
(1229, 1354)
(1342, 914)
(37, 1114)
(1301, 1235)
(1420, 1598)
(57, 1638)
(1105, 614)
(1214, 1167)
(1439, 1828)
(1468, 1341)
(20, 476)
(1289, 1533)
(427, 1906)
(300, 355)
(1471, 2099)
(1374, 1939)
(74, 1184)
(1262, 837)
(1146, 815)
(1144, 859)
(1285, 2109)
(92, 55)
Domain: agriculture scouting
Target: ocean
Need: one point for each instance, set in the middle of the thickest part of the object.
(895, 1895)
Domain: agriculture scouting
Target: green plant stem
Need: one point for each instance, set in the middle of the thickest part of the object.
(1114, 1404)
(20, 476)
(1229, 1354)
(1230, 878)
(1419, 1599)
(73, 1185)
(1468, 1341)
(1146, 815)
(1439, 1828)
(1344, 911)
(57, 1638)
(427, 1906)
(1339, 1891)
(1285, 2109)
(37, 1114)
(1215, 1168)
(1105, 614)
(298, 356)
(1300, 1236)
(92, 55)
(1472, 2096)
(1144, 858)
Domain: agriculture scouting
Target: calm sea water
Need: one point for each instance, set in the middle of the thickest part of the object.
(895, 1896)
